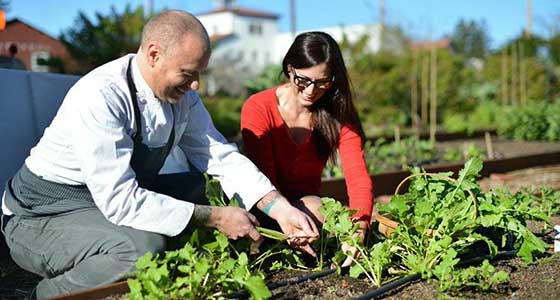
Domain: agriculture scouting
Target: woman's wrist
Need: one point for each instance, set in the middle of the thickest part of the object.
(271, 203)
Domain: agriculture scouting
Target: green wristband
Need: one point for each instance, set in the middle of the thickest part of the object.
(266, 209)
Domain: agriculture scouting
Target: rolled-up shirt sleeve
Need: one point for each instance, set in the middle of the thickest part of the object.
(103, 149)
(209, 152)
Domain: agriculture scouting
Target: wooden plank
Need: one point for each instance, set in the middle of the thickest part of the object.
(440, 136)
(118, 288)
(386, 183)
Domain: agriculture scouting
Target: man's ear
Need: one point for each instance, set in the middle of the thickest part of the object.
(153, 54)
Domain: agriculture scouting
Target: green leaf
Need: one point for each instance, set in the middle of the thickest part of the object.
(490, 220)
(201, 266)
(146, 261)
(257, 288)
(471, 170)
(355, 271)
(135, 289)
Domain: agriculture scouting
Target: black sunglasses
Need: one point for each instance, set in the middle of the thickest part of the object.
(304, 82)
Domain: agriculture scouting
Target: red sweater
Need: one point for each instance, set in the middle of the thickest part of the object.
(294, 169)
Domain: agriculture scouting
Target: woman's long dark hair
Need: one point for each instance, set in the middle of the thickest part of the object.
(335, 108)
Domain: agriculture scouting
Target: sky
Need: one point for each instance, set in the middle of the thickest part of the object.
(421, 19)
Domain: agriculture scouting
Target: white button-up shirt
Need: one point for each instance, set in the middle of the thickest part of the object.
(89, 142)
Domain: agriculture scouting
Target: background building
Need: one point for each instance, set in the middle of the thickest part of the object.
(32, 46)
(245, 41)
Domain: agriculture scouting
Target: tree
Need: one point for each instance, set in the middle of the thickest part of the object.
(5, 5)
(532, 45)
(93, 43)
(554, 49)
(470, 38)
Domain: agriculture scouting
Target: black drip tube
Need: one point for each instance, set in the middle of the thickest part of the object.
(274, 285)
(385, 288)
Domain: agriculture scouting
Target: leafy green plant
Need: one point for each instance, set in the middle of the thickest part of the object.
(208, 266)
(481, 278)
(484, 116)
(444, 219)
(468, 151)
(200, 270)
(338, 225)
(535, 121)
(382, 156)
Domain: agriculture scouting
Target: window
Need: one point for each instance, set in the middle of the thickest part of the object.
(255, 28)
(36, 57)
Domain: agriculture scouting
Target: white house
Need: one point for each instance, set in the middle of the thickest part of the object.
(245, 41)
(246, 34)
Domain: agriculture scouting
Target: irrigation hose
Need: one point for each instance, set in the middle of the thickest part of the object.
(274, 285)
(385, 288)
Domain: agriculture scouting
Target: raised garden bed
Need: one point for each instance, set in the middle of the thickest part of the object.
(538, 281)
(510, 156)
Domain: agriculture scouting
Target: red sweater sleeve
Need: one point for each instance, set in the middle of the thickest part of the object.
(256, 124)
(358, 181)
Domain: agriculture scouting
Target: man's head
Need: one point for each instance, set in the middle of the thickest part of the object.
(175, 48)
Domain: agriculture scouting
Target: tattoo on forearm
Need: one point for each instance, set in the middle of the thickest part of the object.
(201, 214)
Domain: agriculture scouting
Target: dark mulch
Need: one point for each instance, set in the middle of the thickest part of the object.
(15, 283)
(332, 286)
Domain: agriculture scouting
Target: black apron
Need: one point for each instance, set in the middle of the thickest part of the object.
(30, 195)
(146, 162)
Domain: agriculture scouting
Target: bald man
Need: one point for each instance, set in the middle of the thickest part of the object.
(89, 200)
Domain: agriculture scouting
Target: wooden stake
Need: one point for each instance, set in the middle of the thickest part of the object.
(489, 148)
(414, 94)
(433, 94)
(424, 100)
(397, 132)
(504, 77)
(514, 72)
(522, 75)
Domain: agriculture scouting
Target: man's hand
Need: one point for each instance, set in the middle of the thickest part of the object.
(298, 226)
(234, 222)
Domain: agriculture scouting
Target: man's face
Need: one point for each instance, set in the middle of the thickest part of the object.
(177, 70)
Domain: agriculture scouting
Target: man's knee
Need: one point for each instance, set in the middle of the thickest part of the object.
(135, 243)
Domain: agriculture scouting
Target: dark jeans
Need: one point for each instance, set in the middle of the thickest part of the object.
(81, 249)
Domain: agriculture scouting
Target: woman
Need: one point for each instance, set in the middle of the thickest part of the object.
(292, 130)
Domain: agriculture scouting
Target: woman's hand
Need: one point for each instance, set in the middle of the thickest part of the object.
(351, 251)
(298, 226)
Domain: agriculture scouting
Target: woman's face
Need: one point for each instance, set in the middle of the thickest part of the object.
(311, 83)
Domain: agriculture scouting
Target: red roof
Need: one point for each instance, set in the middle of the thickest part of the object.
(32, 27)
(437, 44)
(243, 12)
(215, 38)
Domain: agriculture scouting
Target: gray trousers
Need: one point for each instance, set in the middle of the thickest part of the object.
(81, 249)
